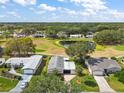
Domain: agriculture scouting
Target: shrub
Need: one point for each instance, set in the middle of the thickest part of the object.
(90, 83)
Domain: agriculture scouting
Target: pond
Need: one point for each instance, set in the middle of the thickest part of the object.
(66, 44)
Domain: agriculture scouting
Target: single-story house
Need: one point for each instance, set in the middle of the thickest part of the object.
(89, 35)
(29, 64)
(76, 36)
(103, 66)
(39, 34)
(32, 66)
(62, 65)
(2, 60)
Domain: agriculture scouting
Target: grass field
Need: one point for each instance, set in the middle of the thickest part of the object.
(115, 84)
(7, 84)
(48, 46)
(119, 47)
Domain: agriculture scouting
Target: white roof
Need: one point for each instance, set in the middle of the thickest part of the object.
(28, 62)
(33, 62)
(66, 59)
(17, 61)
(69, 66)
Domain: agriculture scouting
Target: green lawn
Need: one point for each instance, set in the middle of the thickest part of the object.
(119, 47)
(100, 48)
(7, 84)
(85, 82)
(115, 84)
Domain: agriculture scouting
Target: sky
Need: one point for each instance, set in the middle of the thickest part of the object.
(61, 10)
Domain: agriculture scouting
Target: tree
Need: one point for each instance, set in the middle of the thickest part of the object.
(50, 84)
(109, 37)
(81, 50)
(19, 47)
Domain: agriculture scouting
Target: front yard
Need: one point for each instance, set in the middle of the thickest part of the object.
(7, 84)
(115, 84)
(85, 82)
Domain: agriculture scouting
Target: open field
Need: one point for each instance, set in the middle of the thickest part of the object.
(48, 46)
(52, 47)
(7, 84)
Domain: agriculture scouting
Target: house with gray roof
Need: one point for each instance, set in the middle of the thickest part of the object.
(102, 66)
(62, 65)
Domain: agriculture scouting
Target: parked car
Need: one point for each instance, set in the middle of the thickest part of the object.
(24, 84)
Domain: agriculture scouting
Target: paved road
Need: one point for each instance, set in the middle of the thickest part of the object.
(17, 89)
(103, 85)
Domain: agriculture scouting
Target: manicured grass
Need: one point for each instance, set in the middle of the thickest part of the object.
(48, 46)
(119, 47)
(115, 84)
(100, 48)
(79, 83)
(39, 50)
(7, 84)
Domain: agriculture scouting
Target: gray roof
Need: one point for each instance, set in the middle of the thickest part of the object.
(102, 63)
(56, 62)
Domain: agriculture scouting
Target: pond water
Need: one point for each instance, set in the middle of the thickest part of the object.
(66, 44)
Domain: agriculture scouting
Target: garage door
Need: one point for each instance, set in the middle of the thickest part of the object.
(28, 71)
(67, 71)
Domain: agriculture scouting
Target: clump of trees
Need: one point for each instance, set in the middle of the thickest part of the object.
(81, 50)
(120, 76)
(50, 84)
(109, 37)
(20, 47)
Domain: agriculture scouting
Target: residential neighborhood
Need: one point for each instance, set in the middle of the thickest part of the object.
(61, 46)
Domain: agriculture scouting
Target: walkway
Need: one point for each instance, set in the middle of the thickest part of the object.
(18, 89)
(103, 85)
(68, 78)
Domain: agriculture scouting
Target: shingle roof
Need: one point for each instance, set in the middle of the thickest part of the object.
(102, 63)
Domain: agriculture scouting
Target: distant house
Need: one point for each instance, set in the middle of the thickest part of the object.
(39, 34)
(2, 60)
(89, 35)
(29, 64)
(62, 66)
(76, 36)
(102, 66)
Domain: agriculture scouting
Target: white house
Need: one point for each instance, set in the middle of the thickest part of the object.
(39, 34)
(62, 65)
(76, 36)
(29, 64)
(32, 65)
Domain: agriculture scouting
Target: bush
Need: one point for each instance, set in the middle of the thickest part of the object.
(120, 76)
(114, 58)
(91, 83)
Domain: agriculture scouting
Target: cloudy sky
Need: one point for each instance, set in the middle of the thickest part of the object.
(61, 10)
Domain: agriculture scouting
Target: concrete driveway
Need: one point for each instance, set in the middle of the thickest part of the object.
(103, 85)
(17, 89)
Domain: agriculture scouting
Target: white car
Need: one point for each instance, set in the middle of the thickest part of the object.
(24, 85)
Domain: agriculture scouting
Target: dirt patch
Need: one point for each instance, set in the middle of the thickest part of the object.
(108, 52)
